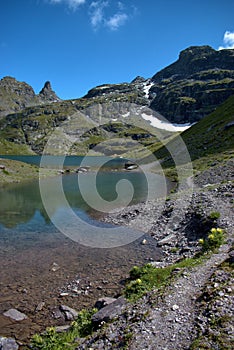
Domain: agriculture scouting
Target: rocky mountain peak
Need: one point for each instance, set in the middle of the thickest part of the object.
(48, 94)
(11, 85)
(16, 95)
(196, 51)
(138, 80)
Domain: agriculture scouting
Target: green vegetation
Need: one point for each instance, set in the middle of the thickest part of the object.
(143, 279)
(16, 171)
(209, 142)
(214, 240)
(210, 136)
(7, 147)
(214, 215)
(52, 340)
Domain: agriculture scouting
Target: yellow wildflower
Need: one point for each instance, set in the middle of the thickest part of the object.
(211, 236)
(138, 281)
(201, 241)
(219, 230)
(213, 230)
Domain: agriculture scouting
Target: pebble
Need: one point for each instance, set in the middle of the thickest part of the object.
(55, 267)
(175, 307)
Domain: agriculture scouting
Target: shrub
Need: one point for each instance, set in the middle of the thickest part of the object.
(52, 340)
(214, 240)
(5, 172)
(214, 215)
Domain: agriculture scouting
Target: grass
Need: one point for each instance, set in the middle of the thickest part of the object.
(210, 137)
(16, 171)
(52, 340)
(144, 279)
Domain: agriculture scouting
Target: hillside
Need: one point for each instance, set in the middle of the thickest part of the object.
(15, 95)
(210, 137)
(79, 126)
(193, 86)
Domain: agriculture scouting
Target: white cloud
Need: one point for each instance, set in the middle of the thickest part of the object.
(73, 4)
(97, 13)
(102, 13)
(116, 21)
(98, 16)
(228, 41)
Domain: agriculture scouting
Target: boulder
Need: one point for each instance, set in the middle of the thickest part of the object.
(110, 311)
(70, 314)
(15, 315)
(102, 302)
(8, 344)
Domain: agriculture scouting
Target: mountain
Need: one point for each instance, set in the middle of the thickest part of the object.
(194, 85)
(184, 92)
(15, 96)
(210, 138)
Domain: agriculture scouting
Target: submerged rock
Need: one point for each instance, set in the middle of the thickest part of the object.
(70, 314)
(8, 344)
(15, 315)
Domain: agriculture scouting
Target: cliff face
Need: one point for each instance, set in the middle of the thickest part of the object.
(193, 86)
(16, 95)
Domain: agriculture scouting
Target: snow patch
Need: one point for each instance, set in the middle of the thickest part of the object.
(126, 115)
(160, 124)
(146, 88)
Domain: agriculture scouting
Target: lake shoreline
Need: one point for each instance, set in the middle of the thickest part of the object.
(203, 200)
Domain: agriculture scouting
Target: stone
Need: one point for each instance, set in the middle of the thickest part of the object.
(8, 344)
(55, 267)
(61, 329)
(15, 315)
(168, 239)
(70, 314)
(110, 311)
(40, 306)
(175, 307)
(102, 302)
(231, 257)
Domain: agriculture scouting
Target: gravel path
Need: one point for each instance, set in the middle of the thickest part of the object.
(200, 302)
(170, 325)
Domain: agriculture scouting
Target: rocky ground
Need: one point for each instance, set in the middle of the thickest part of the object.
(195, 311)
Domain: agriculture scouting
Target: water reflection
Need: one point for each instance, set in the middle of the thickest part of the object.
(21, 205)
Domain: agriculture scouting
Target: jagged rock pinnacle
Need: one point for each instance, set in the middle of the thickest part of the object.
(47, 93)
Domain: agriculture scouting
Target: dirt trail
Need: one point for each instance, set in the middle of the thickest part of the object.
(169, 325)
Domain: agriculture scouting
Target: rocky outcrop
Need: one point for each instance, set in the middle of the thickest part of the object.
(192, 87)
(47, 94)
(196, 59)
(16, 95)
(129, 92)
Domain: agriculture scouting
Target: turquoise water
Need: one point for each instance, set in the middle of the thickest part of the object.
(22, 213)
(73, 161)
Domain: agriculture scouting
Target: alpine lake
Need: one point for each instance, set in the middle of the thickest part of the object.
(40, 265)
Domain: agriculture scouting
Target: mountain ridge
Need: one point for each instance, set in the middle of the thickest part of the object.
(184, 92)
(16, 95)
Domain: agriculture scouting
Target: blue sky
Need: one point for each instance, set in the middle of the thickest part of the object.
(78, 44)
